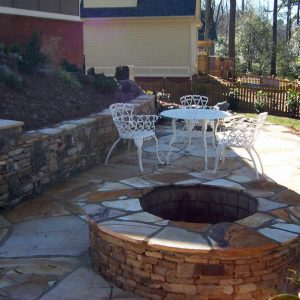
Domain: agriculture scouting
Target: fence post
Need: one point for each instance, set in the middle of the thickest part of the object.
(155, 99)
(164, 83)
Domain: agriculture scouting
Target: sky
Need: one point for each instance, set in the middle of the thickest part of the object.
(266, 3)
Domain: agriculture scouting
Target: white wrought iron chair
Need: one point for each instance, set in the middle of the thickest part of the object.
(193, 101)
(200, 102)
(133, 127)
(240, 135)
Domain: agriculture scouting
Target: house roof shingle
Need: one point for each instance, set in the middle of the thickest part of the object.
(145, 8)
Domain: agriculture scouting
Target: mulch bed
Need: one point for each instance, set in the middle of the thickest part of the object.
(45, 100)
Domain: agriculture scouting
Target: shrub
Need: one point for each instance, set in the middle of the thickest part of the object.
(91, 71)
(13, 48)
(32, 57)
(10, 78)
(69, 67)
(126, 86)
(122, 73)
(293, 102)
(260, 104)
(163, 96)
(104, 84)
(233, 98)
(69, 79)
(129, 86)
(148, 92)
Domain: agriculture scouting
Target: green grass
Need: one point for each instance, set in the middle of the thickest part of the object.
(289, 122)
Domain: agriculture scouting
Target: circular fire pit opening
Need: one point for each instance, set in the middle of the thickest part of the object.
(198, 204)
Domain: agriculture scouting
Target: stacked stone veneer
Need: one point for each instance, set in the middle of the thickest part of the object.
(160, 259)
(205, 275)
(31, 160)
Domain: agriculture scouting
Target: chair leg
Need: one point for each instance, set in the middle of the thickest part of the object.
(189, 128)
(139, 143)
(156, 146)
(250, 153)
(261, 165)
(184, 145)
(172, 140)
(129, 146)
(217, 158)
(110, 150)
(215, 129)
(204, 129)
(224, 149)
(212, 125)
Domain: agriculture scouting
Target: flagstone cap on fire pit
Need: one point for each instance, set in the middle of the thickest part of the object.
(116, 209)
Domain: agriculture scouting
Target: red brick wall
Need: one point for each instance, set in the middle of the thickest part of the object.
(60, 39)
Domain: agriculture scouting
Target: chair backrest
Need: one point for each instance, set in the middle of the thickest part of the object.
(200, 100)
(186, 100)
(121, 114)
(196, 101)
(244, 134)
(121, 110)
(259, 123)
(128, 124)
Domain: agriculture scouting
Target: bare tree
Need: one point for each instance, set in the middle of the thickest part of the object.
(231, 38)
(274, 39)
(219, 12)
(221, 17)
(207, 19)
(288, 20)
(298, 12)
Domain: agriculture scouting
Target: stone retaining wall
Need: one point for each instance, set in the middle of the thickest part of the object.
(29, 161)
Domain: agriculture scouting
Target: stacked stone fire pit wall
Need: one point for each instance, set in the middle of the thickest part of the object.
(179, 274)
(31, 160)
(245, 259)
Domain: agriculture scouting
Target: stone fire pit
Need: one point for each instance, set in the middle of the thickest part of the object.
(194, 242)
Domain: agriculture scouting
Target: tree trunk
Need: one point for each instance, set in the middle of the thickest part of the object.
(288, 21)
(231, 39)
(274, 40)
(298, 12)
(207, 19)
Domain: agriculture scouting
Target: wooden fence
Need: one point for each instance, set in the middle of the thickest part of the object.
(269, 81)
(275, 99)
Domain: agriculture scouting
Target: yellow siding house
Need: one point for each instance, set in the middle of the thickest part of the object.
(157, 37)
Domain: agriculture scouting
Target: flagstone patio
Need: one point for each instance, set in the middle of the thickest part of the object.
(44, 244)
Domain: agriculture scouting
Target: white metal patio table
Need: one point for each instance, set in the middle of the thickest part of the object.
(192, 116)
